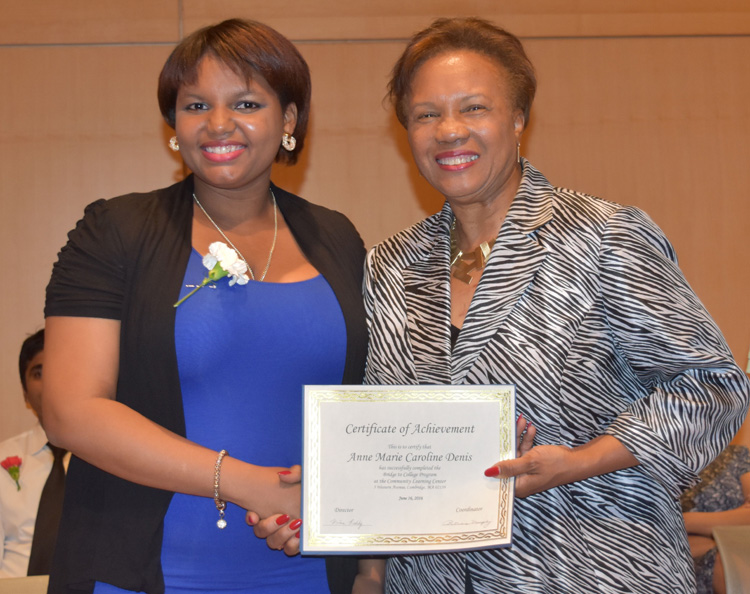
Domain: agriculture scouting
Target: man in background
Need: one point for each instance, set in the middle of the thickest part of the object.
(27, 462)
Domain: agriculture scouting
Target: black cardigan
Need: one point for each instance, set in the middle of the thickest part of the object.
(126, 260)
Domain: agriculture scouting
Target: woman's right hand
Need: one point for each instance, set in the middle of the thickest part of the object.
(281, 531)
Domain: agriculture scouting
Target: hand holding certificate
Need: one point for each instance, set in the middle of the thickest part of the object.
(401, 468)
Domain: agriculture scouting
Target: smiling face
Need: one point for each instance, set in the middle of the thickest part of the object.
(230, 129)
(462, 128)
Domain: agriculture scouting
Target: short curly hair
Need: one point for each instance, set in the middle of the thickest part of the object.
(472, 34)
(249, 48)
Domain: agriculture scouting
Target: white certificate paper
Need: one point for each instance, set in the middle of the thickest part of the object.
(395, 469)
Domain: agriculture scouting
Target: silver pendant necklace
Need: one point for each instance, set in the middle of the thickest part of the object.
(229, 241)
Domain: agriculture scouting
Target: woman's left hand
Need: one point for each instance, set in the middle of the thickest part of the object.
(532, 466)
(280, 531)
(540, 468)
(546, 466)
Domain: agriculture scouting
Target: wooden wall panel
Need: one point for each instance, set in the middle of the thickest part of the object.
(84, 21)
(396, 19)
(77, 125)
(357, 160)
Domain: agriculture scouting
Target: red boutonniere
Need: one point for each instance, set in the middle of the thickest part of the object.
(13, 465)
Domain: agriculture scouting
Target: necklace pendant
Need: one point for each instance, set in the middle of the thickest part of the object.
(465, 264)
(462, 270)
(461, 264)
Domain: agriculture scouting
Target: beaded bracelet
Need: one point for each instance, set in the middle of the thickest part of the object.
(221, 505)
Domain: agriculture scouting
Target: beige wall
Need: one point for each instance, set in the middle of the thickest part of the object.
(642, 102)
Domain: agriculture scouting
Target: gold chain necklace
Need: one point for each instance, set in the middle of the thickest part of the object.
(239, 253)
(462, 265)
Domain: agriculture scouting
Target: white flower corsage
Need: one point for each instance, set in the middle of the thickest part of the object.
(221, 261)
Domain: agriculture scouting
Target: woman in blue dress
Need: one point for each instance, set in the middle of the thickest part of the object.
(181, 417)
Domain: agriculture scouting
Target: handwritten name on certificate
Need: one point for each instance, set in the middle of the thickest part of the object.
(390, 469)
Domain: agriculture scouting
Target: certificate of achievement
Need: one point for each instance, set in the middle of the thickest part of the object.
(395, 469)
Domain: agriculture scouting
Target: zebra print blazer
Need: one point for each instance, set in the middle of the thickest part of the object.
(583, 308)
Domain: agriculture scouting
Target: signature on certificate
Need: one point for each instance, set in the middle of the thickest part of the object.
(348, 523)
(481, 523)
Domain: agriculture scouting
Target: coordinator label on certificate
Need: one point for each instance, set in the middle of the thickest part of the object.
(391, 469)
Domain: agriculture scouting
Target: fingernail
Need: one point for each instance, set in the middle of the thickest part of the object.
(285, 472)
(250, 522)
(297, 535)
(492, 471)
(282, 519)
(528, 424)
(296, 524)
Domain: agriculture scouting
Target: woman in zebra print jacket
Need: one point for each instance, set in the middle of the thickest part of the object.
(577, 301)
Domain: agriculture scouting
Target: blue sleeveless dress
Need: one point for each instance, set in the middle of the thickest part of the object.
(244, 353)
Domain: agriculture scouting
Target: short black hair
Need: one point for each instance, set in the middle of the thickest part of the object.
(249, 48)
(30, 348)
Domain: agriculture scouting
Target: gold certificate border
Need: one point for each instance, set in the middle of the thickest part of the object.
(315, 396)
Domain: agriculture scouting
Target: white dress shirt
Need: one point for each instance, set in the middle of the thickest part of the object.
(18, 507)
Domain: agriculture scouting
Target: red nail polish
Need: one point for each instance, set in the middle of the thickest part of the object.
(282, 519)
(296, 524)
(285, 472)
(249, 521)
(296, 535)
(492, 471)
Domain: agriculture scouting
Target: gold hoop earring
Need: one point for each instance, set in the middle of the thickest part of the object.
(173, 144)
(288, 142)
